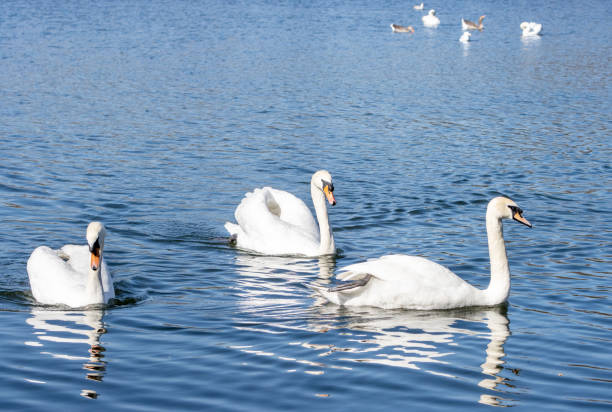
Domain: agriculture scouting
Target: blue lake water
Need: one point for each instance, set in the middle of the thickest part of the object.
(156, 117)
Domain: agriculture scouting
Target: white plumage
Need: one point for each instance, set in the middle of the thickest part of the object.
(531, 29)
(412, 282)
(430, 20)
(275, 222)
(69, 275)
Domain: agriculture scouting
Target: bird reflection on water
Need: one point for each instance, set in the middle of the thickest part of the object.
(55, 329)
(412, 339)
(277, 281)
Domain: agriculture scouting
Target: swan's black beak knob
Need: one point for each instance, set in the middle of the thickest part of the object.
(517, 214)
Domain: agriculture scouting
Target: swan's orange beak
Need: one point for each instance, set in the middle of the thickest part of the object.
(95, 256)
(95, 261)
(519, 218)
(329, 195)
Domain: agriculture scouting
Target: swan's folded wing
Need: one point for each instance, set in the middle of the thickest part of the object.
(52, 278)
(400, 268)
(382, 268)
(79, 257)
(400, 281)
(266, 206)
(294, 211)
(253, 214)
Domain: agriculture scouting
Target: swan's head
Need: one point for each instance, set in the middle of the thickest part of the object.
(504, 208)
(524, 25)
(322, 180)
(95, 240)
(432, 12)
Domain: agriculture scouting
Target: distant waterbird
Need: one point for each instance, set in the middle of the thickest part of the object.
(401, 29)
(430, 20)
(470, 25)
(531, 29)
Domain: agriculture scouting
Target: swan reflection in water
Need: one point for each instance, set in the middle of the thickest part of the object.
(54, 329)
(273, 283)
(410, 339)
(493, 365)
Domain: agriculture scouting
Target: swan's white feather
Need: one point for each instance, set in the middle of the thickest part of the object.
(272, 221)
(531, 28)
(401, 281)
(430, 19)
(54, 280)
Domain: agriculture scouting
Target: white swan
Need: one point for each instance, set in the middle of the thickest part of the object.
(465, 37)
(418, 6)
(470, 25)
(412, 282)
(430, 20)
(275, 222)
(73, 275)
(531, 28)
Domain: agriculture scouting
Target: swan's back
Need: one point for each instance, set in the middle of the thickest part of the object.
(531, 28)
(60, 276)
(536, 28)
(275, 222)
(430, 20)
(409, 282)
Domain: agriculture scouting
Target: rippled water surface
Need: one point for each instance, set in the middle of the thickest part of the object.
(156, 117)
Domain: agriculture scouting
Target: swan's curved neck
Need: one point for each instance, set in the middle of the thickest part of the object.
(499, 286)
(94, 290)
(327, 245)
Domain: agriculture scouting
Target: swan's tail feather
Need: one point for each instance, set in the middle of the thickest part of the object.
(233, 230)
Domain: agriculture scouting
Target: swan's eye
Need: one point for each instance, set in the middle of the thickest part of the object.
(516, 210)
(329, 185)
